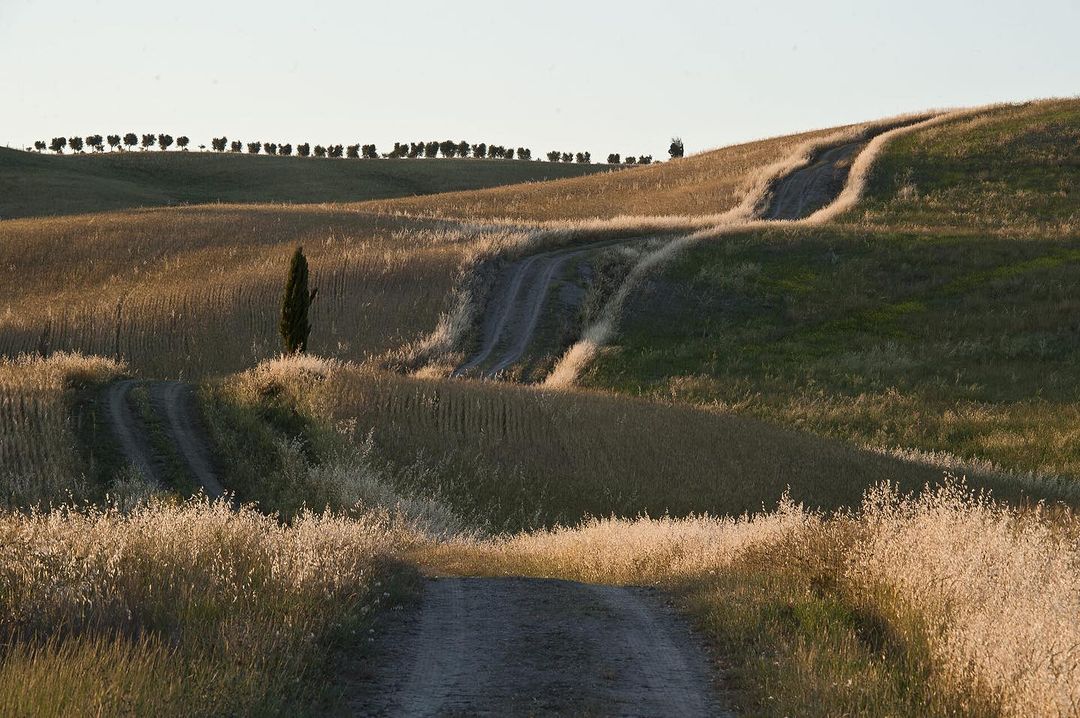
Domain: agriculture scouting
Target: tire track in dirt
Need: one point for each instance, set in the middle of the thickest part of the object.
(174, 404)
(521, 292)
(527, 646)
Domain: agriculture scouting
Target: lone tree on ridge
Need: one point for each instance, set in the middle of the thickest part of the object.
(676, 149)
(295, 303)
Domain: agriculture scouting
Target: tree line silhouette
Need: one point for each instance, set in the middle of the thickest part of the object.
(402, 150)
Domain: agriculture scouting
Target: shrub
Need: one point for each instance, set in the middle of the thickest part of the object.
(613, 158)
(630, 160)
(676, 149)
(645, 160)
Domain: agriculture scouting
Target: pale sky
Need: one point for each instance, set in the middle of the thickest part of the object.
(597, 75)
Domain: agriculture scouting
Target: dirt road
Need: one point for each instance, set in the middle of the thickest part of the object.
(810, 188)
(173, 403)
(523, 287)
(521, 292)
(532, 647)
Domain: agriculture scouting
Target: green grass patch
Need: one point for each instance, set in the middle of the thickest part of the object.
(951, 343)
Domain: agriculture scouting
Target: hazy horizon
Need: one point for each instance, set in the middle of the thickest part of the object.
(602, 77)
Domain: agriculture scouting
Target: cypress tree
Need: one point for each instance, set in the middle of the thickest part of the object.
(294, 324)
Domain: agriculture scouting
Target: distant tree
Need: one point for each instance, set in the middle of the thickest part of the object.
(97, 142)
(202, 148)
(479, 151)
(495, 151)
(58, 144)
(613, 158)
(630, 161)
(148, 141)
(431, 149)
(416, 149)
(463, 149)
(236, 146)
(285, 150)
(567, 157)
(40, 145)
(400, 150)
(320, 151)
(448, 148)
(370, 152)
(304, 150)
(352, 152)
(164, 141)
(75, 143)
(253, 148)
(295, 303)
(219, 143)
(676, 149)
(554, 156)
(270, 148)
(182, 142)
(645, 160)
(114, 141)
(335, 150)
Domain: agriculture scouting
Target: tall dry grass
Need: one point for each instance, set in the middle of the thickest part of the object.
(182, 609)
(39, 450)
(941, 604)
(515, 457)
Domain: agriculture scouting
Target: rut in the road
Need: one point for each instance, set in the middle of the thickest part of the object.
(174, 404)
(525, 646)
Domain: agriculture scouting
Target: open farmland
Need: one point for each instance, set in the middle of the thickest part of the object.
(798, 391)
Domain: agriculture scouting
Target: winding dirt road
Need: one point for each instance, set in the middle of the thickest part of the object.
(174, 404)
(523, 287)
(536, 647)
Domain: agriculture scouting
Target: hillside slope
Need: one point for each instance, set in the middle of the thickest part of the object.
(37, 185)
(702, 184)
(940, 315)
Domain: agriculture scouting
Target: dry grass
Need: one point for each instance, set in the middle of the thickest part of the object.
(706, 184)
(191, 609)
(512, 457)
(946, 604)
(39, 451)
(187, 292)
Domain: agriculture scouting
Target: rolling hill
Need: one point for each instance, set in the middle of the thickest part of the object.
(36, 185)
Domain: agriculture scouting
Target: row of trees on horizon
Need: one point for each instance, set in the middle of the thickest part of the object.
(402, 150)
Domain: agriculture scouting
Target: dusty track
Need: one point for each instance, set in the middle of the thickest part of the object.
(808, 189)
(521, 292)
(174, 404)
(524, 647)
